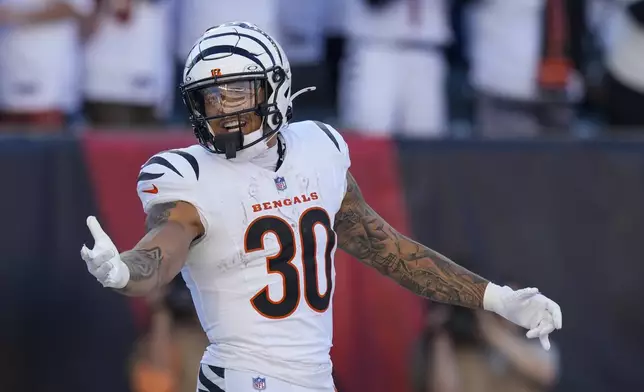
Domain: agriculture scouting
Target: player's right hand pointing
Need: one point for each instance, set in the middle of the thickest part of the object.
(104, 261)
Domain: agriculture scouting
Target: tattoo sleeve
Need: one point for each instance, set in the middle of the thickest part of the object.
(365, 235)
(159, 255)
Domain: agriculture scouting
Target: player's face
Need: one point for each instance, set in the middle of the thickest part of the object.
(231, 98)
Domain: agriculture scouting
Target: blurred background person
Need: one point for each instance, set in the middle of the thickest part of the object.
(526, 65)
(624, 59)
(394, 72)
(302, 28)
(335, 28)
(166, 358)
(434, 367)
(313, 35)
(128, 63)
(467, 351)
(40, 62)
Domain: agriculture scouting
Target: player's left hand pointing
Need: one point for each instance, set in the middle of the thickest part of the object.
(104, 261)
(527, 308)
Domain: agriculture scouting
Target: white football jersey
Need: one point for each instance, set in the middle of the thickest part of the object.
(262, 276)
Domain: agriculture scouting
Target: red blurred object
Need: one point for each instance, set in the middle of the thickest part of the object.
(43, 122)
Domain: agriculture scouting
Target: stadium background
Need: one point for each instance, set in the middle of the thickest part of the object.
(566, 216)
(562, 213)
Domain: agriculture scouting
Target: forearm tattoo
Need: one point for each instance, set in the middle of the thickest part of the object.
(143, 263)
(365, 235)
(145, 260)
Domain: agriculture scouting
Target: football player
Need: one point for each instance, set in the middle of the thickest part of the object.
(252, 216)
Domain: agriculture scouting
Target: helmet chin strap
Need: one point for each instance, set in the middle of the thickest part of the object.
(230, 143)
(227, 142)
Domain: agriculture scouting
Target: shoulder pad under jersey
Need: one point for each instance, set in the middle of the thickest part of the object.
(168, 176)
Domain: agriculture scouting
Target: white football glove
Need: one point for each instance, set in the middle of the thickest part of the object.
(527, 308)
(104, 261)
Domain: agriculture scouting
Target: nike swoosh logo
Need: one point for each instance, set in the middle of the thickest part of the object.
(153, 191)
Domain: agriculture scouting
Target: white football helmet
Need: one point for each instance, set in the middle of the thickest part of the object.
(236, 70)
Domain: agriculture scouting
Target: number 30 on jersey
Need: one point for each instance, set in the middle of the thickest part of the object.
(282, 262)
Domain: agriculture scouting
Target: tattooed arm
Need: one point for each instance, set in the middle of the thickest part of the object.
(161, 253)
(365, 235)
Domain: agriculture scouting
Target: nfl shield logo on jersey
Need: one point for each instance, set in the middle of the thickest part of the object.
(259, 383)
(280, 183)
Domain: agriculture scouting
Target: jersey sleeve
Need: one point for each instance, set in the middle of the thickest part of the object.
(339, 144)
(339, 148)
(170, 176)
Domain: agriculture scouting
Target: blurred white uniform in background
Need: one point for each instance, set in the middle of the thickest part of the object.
(196, 16)
(395, 70)
(302, 30)
(30, 84)
(130, 61)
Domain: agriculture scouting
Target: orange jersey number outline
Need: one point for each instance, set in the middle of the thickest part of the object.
(282, 262)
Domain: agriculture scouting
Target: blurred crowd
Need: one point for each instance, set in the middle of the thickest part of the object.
(417, 68)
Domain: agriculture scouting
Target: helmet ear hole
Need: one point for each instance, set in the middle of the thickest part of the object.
(278, 75)
(276, 119)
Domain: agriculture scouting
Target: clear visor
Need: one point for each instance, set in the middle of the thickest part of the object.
(228, 99)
